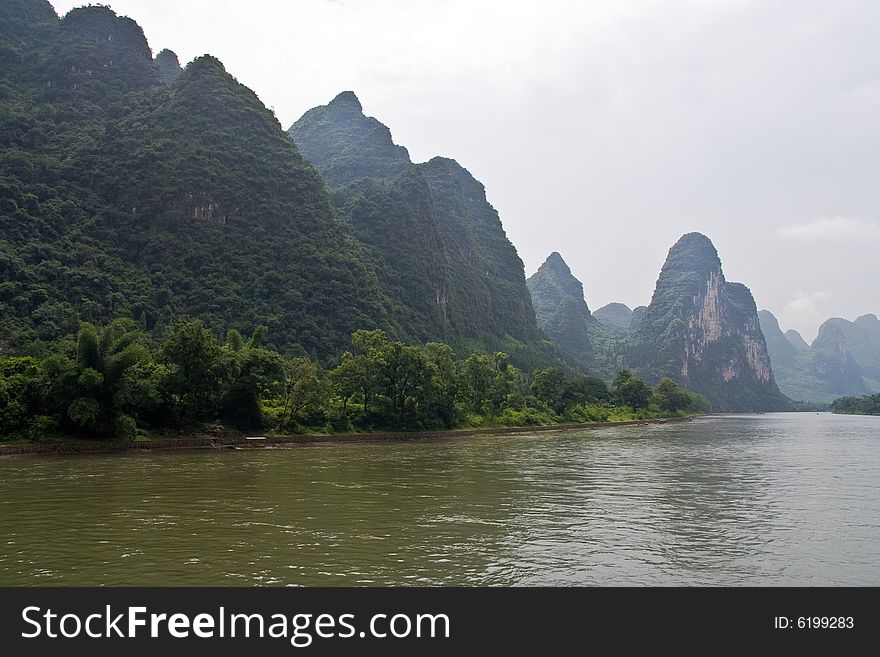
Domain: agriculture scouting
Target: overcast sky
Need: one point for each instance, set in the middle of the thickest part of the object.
(605, 130)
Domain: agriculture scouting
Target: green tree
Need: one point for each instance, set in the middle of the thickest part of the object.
(349, 378)
(630, 390)
(144, 395)
(96, 381)
(589, 389)
(487, 382)
(373, 346)
(305, 393)
(405, 376)
(198, 376)
(503, 388)
(23, 383)
(670, 396)
(866, 405)
(255, 374)
(234, 340)
(551, 386)
(444, 384)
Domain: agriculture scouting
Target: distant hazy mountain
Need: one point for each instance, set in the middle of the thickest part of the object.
(857, 341)
(796, 340)
(699, 330)
(832, 366)
(638, 315)
(703, 332)
(783, 352)
(614, 317)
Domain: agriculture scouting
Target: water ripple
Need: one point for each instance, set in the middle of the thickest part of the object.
(725, 500)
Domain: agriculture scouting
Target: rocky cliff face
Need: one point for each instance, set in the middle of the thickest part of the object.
(169, 66)
(100, 55)
(565, 318)
(705, 333)
(439, 246)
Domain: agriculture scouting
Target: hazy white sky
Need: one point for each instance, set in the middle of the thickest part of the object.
(605, 129)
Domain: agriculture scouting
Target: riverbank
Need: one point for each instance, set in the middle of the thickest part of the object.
(233, 441)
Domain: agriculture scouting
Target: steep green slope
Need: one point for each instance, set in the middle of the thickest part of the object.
(438, 245)
(396, 221)
(487, 278)
(565, 318)
(637, 317)
(22, 23)
(704, 333)
(345, 144)
(122, 196)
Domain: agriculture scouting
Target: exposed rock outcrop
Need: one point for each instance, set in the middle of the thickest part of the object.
(168, 65)
(705, 333)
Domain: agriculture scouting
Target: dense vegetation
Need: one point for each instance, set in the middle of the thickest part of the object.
(124, 197)
(565, 317)
(345, 145)
(134, 193)
(865, 405)
(132, 188)
(441, 253)
(117, 382)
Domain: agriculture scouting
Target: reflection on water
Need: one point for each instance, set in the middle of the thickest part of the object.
(727, 500)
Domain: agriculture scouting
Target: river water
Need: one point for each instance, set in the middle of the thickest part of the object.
(724, 500)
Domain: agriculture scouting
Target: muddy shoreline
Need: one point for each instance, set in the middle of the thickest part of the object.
(242, 441)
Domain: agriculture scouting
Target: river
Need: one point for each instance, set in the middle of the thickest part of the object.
(777, 499)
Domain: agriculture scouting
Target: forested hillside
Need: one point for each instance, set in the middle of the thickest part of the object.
(565, 317)
(440, 250)
(134, 190)
(124, 196)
